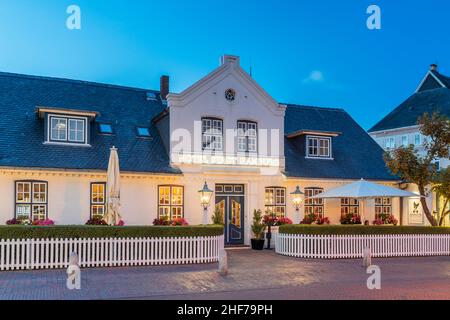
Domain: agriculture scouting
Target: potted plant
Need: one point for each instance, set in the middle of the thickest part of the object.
(258, 231)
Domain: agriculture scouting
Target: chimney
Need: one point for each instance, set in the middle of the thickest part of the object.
(164, 87)
(229, 59)
(434, 67)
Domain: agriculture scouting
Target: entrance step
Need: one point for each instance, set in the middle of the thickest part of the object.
(236, 247)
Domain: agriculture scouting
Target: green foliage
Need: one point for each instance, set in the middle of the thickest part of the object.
(411, 166)
(258, 226)
(76, 232)
(360, 230)
(217, 217)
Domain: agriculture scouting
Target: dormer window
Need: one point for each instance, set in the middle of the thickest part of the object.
(67, 129)
(318, 147)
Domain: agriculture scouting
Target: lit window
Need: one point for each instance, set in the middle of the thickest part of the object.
(349, 205)
(247, 136)
(170, 202)
(105, 128)
(315, 206)
(143, 132)
(318, 147)
(31, 200)
(275, 201)
(383, 206)
(98, 200)
(212, 134)
(64, 129)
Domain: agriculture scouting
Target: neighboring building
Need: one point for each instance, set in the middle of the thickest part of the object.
(399, 128)
(224, 129)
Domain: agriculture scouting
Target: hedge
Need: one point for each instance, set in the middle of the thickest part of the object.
(78, 232)
(359, 229)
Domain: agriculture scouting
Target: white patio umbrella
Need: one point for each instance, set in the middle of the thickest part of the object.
(363, 190)
(112, 216)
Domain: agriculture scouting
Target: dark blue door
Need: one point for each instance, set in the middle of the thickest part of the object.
(230, 201)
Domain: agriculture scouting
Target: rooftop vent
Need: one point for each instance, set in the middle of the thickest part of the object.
(434, 67)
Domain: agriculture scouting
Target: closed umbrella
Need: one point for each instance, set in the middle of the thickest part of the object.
(112, 216)
(362, 190)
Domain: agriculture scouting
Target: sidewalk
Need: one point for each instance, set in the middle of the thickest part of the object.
(252, 275)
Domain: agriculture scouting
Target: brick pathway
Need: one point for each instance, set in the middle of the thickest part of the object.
(252, 275)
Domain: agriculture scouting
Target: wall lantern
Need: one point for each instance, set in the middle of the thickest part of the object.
(297, 201)
(205, 200)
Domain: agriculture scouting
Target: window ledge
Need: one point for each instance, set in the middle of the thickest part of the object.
(319, 158)
(71, 144)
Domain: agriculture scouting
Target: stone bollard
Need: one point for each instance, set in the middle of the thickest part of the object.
(223, 262)
(73, 273)
(367, 257)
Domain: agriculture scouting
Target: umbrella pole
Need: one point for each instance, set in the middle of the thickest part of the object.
(362, 211)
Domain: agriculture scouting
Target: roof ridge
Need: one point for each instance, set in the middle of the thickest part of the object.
(85, 82)
(313, 107)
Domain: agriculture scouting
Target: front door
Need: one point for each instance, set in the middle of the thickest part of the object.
(230, 201)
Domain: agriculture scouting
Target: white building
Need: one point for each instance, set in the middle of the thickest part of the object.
(224, 129)
(399, 128)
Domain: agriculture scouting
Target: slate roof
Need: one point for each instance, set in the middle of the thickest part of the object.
(22, 132)
(431, 97)
(356, 155)
(408, 112)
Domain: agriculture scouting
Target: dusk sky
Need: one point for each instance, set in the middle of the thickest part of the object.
(305, 52)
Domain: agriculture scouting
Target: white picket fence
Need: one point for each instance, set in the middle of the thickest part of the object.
(108, 252)
(351, 246)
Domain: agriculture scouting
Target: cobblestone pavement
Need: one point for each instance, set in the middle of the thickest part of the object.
(252, 275)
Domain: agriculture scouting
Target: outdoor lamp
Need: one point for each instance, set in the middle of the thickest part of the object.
(205, 199)
(297, 198)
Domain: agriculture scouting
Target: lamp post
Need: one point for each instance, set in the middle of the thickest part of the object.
(297, 201)
(205, 200)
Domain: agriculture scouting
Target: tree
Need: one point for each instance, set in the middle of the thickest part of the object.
(442, 188)
(420, 169)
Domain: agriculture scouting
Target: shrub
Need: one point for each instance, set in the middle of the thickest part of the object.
(46, 222)
(314, 218)
(96, 222)
(13, 221)
(350, 218)
(270, 219)
(217, 217)
(178, 222)
(385, 218)
(96, 231)
(360, 229)
(161, 222)
(282, 221)
(258, 226)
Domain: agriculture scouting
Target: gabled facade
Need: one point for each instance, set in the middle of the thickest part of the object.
(225, 129)
(399, 128)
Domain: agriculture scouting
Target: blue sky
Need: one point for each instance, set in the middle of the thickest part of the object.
(307, 52)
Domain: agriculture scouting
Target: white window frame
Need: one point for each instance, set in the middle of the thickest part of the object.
(247, 136)
(71, 123)
(402, 142)
(318, 140)
(33, 204)
(98, 204)
(170, 204)
(389, 142)
(275, 201)
(212, 134)
(417, 136)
